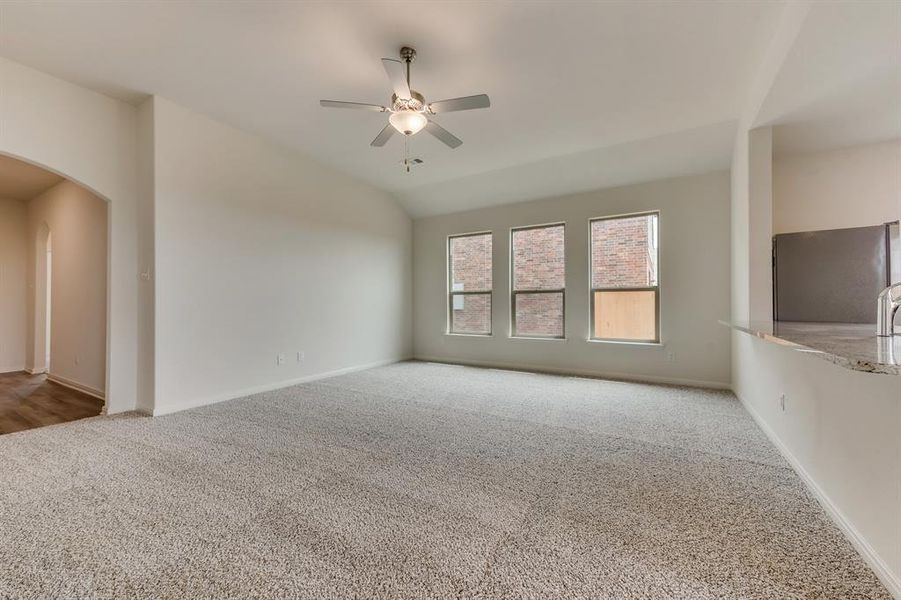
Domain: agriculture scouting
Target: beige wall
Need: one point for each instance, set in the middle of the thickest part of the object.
(319, 238)
(839, 428)
(13, 329)
(261, 251)
(694, 284)
(89, 138)
(146, 285)
(849, 187)
(77, 220)
(840, 431)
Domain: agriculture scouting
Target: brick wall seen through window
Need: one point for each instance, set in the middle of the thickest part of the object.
(539, 279)
(470, 284)
(624, 278)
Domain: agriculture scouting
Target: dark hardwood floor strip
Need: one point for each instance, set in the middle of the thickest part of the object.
(29, 401)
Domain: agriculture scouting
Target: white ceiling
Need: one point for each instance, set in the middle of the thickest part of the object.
(584, 94)
(23, 181)
(700, 150)
(840, 84)
(564, 78)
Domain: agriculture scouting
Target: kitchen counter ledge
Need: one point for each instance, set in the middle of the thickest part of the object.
(850, 345)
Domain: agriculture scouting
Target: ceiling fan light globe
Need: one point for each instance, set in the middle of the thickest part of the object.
(408, 122)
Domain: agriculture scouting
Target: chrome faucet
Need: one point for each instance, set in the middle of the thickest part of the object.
(887, 304)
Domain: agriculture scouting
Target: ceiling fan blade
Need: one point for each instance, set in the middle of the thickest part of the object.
(383, 136)
(465, 103)
(397, 75)
(356, 105)
(443, 134)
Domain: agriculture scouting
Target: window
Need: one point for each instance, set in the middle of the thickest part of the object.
(625, 296)
(469, 284)
(538, 286)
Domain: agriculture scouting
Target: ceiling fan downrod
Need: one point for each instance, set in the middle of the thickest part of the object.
(408, 55)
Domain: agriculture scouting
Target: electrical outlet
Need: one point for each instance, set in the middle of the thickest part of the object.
(300, 356)
(670, 356)
(782, 402)
(281, 359)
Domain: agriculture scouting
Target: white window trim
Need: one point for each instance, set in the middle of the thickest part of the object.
(513, 291)
(450, 293)
(656, 288)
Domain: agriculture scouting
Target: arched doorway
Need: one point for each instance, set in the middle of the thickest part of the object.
(94, 142)
(62, 370)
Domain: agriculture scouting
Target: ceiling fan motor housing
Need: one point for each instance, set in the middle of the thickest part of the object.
(417, 102)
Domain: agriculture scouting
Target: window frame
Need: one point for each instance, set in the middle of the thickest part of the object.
(654, 288)
(449, 327)
(514, 292)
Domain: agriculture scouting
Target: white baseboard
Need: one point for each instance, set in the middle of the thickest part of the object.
(12, 369)
(35, 371)
(716, 385)
(268, 387)
(79, 387)
(869, 555)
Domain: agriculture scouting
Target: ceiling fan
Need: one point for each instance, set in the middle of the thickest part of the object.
(409, 112)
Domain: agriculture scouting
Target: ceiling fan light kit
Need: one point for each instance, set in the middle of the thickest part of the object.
(408, 122)
(409, 112)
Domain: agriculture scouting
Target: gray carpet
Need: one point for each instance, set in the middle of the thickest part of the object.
(420, 481)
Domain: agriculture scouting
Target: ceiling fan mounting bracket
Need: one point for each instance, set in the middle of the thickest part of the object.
(408, 54)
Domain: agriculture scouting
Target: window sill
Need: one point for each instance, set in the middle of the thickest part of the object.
(469, 335)
(627, 343)
(543, 339)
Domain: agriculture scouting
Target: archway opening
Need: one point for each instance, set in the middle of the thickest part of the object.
(53, 298)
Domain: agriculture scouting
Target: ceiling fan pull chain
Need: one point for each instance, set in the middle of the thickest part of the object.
(407, 148)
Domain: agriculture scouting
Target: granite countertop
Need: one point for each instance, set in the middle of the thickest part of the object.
(850, 345)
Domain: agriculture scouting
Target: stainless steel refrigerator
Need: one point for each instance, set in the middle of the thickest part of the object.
(834, 276)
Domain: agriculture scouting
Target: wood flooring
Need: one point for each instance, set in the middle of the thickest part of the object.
(28, 401)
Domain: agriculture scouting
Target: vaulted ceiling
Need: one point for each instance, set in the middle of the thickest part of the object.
(840, 84)
(591, 94)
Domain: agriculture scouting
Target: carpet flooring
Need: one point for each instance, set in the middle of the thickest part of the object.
(420, 480)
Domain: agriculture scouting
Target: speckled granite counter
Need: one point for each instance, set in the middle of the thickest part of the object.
(853, 346)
